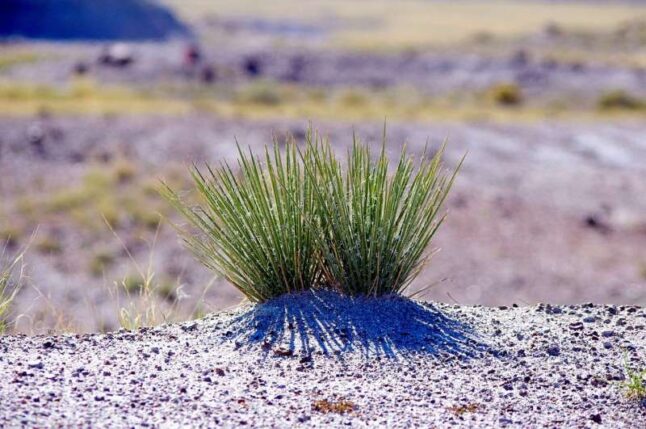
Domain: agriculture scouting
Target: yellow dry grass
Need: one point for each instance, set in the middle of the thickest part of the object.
(10, 57)
(83, 97)
(393, 24)
(273, 100)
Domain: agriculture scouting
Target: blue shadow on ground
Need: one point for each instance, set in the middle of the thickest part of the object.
(329, 323)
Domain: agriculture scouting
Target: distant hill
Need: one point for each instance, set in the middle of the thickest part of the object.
(88, 20)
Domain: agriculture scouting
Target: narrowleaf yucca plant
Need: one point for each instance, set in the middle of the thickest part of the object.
(375, 225)
(255, 228)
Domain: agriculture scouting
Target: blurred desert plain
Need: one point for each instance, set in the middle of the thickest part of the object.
(101, 100)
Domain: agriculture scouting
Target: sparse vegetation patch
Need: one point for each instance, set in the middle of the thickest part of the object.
(9, 287)
(635, 384)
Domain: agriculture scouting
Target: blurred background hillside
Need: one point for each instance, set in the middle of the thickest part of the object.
(99, 100)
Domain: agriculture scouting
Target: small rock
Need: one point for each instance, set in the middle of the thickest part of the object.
(596, 418)
(189, 328)
(80, 68)
(283, 352)
(553, 351)
(577, 326)
(595, 222)
(504, 421)
(252, 66)
(35, 365)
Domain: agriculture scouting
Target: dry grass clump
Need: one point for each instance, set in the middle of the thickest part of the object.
(301, 221)
(144, 300)
(620, 100)
(460, 410)
(506, 94)
(8, 288)
(338, 407)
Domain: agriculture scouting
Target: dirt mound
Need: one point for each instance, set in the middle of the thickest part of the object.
(87, 20)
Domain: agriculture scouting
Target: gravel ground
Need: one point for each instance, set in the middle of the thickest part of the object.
(323, 360)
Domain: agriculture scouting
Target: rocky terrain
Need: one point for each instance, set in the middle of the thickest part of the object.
(320, 360)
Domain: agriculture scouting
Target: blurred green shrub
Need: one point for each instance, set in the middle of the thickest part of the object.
(506, 94)
(620, 100)
(9, 286)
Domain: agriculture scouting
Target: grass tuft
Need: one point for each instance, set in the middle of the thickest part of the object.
(375, 226)
(8, 288)
(255, 229)
(149, 302)
(635, 383)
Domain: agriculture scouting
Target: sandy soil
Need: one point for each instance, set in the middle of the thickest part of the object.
(321, 361)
